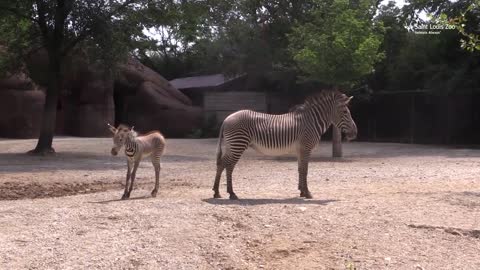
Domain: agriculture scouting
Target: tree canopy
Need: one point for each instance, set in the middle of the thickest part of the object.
(434, 62)
(107, 30)
(340, 45)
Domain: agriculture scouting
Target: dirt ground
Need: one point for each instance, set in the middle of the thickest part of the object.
(384, 206)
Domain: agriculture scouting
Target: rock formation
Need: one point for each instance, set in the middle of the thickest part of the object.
(151, 102)
(135, 95)
(21, 106)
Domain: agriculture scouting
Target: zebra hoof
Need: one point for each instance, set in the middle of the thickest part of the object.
(233, 196)
(154, 193)
(306, 195)
(217, 196)
(125, 196)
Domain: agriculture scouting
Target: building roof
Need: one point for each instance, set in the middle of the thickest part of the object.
(201, 81)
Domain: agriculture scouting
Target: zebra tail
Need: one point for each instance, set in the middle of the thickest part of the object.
(219, 146)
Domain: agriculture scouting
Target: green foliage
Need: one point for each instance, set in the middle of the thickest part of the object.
(434, 62)
(106, 30)
(246, 36)
(464, 16)
(14, 41)
(257, 37)
(470, 40)
(340, 45)
(252, 35)
(184, 32)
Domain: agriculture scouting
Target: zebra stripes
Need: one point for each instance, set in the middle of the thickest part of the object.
(131, 147)
(136, 148)
(298, 132)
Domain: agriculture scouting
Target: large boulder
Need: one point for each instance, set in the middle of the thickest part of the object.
(151, 109)
(17, 81)
(152, 103)
(134, 73)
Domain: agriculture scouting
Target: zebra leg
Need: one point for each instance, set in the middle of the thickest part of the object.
(216, 185)
(157, 167)
(303, 159)
(134, 172)
(233, 151)
(229, 160)
(126, 194)
(300, 186)
(233, 196)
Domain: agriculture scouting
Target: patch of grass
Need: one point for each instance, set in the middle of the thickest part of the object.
(349, 265)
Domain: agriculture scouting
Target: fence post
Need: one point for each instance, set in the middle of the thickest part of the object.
(412, 118)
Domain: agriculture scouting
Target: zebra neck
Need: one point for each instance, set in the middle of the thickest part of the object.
(130, 147)
(321, 117)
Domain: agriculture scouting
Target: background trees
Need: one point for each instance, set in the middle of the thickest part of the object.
(105, 29)
(339, 46)
(437, 61)
(340, 43)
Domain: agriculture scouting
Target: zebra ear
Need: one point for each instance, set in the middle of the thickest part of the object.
(349, 99)
(112, 128)
(131, 129)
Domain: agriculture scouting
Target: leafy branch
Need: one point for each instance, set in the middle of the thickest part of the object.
(470, 40)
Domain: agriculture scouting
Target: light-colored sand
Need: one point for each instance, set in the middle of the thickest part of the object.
(385, 206)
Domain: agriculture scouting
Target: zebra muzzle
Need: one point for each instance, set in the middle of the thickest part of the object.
(351, 136)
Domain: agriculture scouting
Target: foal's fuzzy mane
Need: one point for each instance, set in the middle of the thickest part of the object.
(126, 127)
(123, 126)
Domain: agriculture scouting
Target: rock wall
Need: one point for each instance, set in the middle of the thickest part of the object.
(21, 113)
(152, 103)
(21, 106)
(87, 105)
(87, 101)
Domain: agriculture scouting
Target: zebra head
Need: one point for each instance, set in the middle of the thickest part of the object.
(342, 117)
(120, 136)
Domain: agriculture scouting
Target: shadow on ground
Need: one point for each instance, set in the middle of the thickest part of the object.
(248, 202)
(120, 200)
(22, 162)
(312, 159)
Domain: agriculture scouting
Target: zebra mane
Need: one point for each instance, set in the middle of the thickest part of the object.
(127, 128)
(297, 108)
(123, 127)
(324, 95)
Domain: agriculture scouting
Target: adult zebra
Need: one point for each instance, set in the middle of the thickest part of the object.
(298, 131)
(136, 148)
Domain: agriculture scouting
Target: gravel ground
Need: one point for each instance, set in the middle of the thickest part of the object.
(384, 206)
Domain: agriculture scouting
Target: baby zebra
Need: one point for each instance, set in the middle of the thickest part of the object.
(137, 147)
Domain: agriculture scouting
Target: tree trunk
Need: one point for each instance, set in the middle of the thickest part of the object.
(47, 131)
(336, 142)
